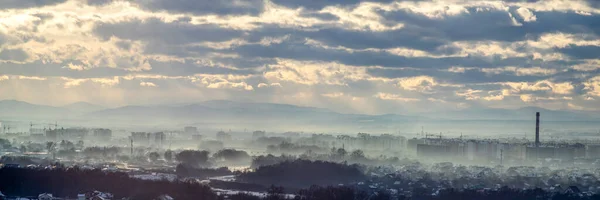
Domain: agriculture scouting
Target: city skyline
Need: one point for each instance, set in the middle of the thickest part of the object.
(368, 57)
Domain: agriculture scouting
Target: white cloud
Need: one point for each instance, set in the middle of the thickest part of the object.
(418, 83)
(556, 88)
(592, 86)
(32, 78)
(66, 35)
(147, 84)
(265, 85)
(333, 95)
(526, 14)
(395, 97)
(223, 82)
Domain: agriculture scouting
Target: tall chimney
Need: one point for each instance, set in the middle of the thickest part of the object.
(537, 129)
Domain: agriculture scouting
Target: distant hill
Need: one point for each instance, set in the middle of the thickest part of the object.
(14, 109)
(525, 113)
(83, 107)
(269, 116)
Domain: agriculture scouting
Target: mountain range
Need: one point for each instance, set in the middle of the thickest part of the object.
(262, 115)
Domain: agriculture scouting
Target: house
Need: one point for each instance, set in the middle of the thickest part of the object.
(97, 195)
(164, 197)
(572, 190)
(45, 196)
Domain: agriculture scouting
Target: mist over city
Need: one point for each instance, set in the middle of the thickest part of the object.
(299, 100)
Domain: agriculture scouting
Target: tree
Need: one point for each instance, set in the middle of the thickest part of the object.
(153, 156)
(275, 193)
(66, 145)
(168, 155)
(339, 153)
(232, 155)
(357, 154)
(50, 146)
(4, 143)
(193, 158)
(79, 144)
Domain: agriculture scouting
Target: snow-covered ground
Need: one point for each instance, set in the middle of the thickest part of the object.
(222, 192)
(156, 176)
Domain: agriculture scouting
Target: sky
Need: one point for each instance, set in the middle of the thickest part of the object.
(350, 56)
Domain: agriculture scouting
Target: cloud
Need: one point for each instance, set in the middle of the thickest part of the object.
(333, 95)
(395, 97)
(526, 14)
(156, 30)
(200, 7)
(265, 85)
(556, 88)
(419, 83)
(592, 86)
(13, 55)
(223, 82)
(581, 52)
(318, 5)
(31, 78)
(147, 84)
(21, 4)
(368, 56)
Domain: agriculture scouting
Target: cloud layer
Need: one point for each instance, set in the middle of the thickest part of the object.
(373, 57)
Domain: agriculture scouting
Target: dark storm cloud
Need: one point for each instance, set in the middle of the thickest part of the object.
(468, 77)
(321, 16)
(13, 55)
(21, 4)
(427, 34)
(201, 7)
(98, 2)
(581, 52)
(336, 36)
(155, 30)
(493, 24)
(296, 49)
(318, 4)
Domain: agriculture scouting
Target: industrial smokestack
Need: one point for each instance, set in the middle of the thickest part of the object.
(537, 129)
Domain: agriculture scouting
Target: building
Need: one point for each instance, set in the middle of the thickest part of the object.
(593, 151)
(432, 151)
(159, 138)
(258, 134)
(197, 137)
(190, 130)
(411, 144)
(147, 139)
(102, 134)
(223, 136)
(71, 134)
(141, 138)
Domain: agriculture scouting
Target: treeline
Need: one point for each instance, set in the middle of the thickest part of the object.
(68, 182)
(303, 173)
(183, 170)
(270, 159)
